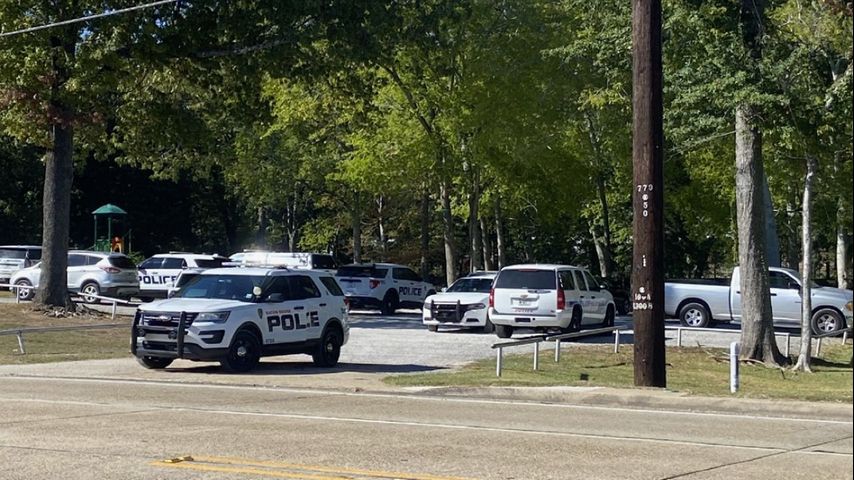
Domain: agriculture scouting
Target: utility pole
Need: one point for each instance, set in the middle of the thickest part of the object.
(648, 195)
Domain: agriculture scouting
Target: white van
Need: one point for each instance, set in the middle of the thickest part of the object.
(548, 297)
(297, 260)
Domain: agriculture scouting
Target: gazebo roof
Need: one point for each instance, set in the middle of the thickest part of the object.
(109, 209)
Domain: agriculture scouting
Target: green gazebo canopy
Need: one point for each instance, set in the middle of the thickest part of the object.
(109, 209)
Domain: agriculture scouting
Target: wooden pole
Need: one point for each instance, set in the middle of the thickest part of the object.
(648, 199)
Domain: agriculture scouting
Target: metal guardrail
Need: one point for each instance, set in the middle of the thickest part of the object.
(499, 347)
(786, 335)
(114, 301)
(19, 332)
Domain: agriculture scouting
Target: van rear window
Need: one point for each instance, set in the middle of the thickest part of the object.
(526, 279)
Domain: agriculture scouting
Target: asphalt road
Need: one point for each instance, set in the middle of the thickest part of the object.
(101, 428)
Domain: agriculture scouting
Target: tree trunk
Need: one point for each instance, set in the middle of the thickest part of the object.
(772, 240)
(425, 234)
(499, 234)
(602, 253)
(356, 220)
(381, 228)
(841, 248)
(261, 232)
(474, 227)
(488, 263)
(757, 334)
(59, 169)
(448, 232)
(803, 363)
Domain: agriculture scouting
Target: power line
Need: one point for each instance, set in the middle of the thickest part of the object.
(83, 19)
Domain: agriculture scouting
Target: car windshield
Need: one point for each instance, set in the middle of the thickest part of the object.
(526, 279)
(18, 254)
(471, 285)
(224, 287)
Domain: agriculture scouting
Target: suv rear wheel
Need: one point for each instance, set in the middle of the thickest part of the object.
(574, 322)
(389, 304)
(504, 331)
(329, 349)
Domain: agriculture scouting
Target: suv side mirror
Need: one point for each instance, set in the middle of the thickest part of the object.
(275, 298)
(793, 286)
(444, 289)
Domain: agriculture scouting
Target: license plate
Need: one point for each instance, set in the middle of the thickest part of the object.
(522, 302)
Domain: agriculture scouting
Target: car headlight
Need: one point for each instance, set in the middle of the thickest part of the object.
(849, 306)
(476, 306)
(212, 317)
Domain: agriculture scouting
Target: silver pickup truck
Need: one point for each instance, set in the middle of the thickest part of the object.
(698, 303)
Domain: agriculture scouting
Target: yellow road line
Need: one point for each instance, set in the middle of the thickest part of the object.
(236, 462)
(254, 471)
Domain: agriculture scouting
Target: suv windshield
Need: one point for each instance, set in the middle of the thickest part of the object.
(471, 285)
(526, 279)
(224, 287)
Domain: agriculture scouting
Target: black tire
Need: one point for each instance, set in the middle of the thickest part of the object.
(25, 293)
(504, 331)
(609, 317)
(826, 320)
(389, 304)
(489, 327)
(574, 322)
(433, 328)
(88, 289)
(243, 354)
(146, 299)
(154, 363)
(329, 349)
(695, 315)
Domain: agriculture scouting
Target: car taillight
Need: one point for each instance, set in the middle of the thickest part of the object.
(491, 298)
(111, 269)
(374, 283)
(561, 299)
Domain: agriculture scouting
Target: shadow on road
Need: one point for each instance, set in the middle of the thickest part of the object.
(306, 368)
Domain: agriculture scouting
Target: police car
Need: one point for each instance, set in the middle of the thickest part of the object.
(238, 315)
(386, 286)
(462, 305)
(158, 273)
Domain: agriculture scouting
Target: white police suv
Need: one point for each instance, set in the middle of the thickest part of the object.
(386, 286)
(238, 315)
(463, 305)
(158, 273)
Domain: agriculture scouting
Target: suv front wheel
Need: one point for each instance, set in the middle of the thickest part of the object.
(243, 354)
(90, 292)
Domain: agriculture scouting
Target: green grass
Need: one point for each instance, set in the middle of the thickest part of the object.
(689, 370)
(59, 346)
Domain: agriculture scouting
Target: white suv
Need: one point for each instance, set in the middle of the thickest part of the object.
(548, 297)
(157, 274)
(89, 273)
(463, 304)
(238, 315)
(386, 286)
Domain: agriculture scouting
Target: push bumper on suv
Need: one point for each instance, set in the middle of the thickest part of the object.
(167, 335)
(451, 314)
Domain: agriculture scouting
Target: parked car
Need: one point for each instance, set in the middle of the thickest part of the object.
(89, 274)
(297, 260)
(157, 274)
(16, 257)
(463, 304)
(699, 303)
(548, 297)
(386, 286)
